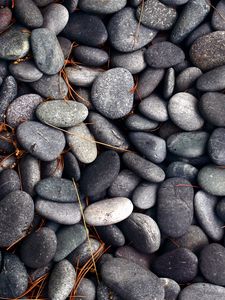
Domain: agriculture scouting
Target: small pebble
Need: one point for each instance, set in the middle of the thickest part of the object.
(81, 75)
(172, 288)
(25, 71)
(99, 7)
(144, 196)
(137, 122)
(86, 290)
(28, 13)
(90, 56)
(212, 81)
(111, 235)
(202, 291)
(9, 182)
(216, 146)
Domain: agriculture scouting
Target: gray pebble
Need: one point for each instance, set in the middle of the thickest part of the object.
(7, 163)
(187, 78)
(52, 168)
(137, 122)
(9, 182)
(6, 146)
(71, 166)
(201, 30)
(202, 291)
(28, 13)
(183, 170)
(111, 235)
(99, 7)
(90, 56)
(172, 288)
(42, 3)
(144, 196)
(8, 92)
(5, 18)
(86, 290)
(169, 83)
(25, 71)
(103, 293)
(216, 144)
(65, 45)
(174, 3)
(83, 95)
(220, 209)
(212, 81)
(217, 20)
(82, 76)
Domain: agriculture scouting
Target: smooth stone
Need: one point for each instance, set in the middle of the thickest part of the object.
(41, 141)
(111, 235)
(41, 3)
(156, 15)
(55, 17)
(183, 111)
(143, 167)
(15, 43)
(28, 13)
(154, 108)
(85, 29)
(22, 109)
(62, 213)
(71, 5)
(8, 93)
(68, 239)
(202, 291)
(207, 52)
(16, 214)
(30, 173)
(180, 265)
(130, 281)
(25, 71)
(124, 184)
(13, 277)
(44, 242)
(175, 206)
(106, 131)
(169, 83)
(47, 52)
(150, 145)
(205, 211)
(174, 3)
(133, 62)
(83, 95)
(52, 225)
(148, 81)
(164, 55)
(102, 7)
(172, 288)
(212, 107)
(187, 78)
(182, 66)
(82, 143)
(56, 189)
(82, 76)
(137, 122)
(211, 179)
(90, 56)
(143, 232)
(144, 196)
(193, 13)
(188, 144)
(108, 211)
(201, 30)
(9, 182)
(183, 170)
(61, 280)
(52, 87)
(98, 176)
(61, 113)
(86, 290)
(65, 45)
(52, 168)
(111, 93)
(220, 209)
(211, 261)
(134, 3)
(216, 145)
(217, 20)
(212, 81)
(5, 18)
(71, 166)
(3, 68)
(122, 30)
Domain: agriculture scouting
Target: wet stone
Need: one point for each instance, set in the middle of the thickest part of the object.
(25, 71)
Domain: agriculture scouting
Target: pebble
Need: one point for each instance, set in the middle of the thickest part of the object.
(156, 15)
(111, 93)
(183, 111)
(99, 7)
(202, 291)
(14, 277)
(81, 75)
(8, 93)
(122, 30)
(193, 13)
(5, 18)
(62, 213)
(65, 45)
(16, 214)
(61, 280)
(205, 211)
(82, 143)
(183, 170)
(180, 265)
(188, 144)
(137, 122)
(86, 29)
(44, 242)
(41, 141)
(220, 209)
(172, 288)
(56, 189)
(86, 289)
(52, 168)
(103, 292)
(201, 30)
(164, 55)
(211, 261)
(150, 145)
(211, 179)
(68, 239)
(42, 3)
(187, 78)
(175, 206)
(143, 232)
(143, 168)
(212, 107)
(61, 113)
(217, 20)
(108, 211)
(22, 109)
(71, 5)
(25, 71)
(130, 281)
(90, 56)
(212, 81)
(144, 196)
(7, 163)
(71, 166)
(47, 52)
(9, 182)
(6, 146)
(174, 3)
(111, 235)
(169, 83)
(216, 146)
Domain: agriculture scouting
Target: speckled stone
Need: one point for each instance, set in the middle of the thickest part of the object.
(5, 18)
(25, 71)
(217, 20)
(216, 145)
(137, 122)
(101, 7)
(212, 81)
(82, 76)
(71, 166)
(28, 13)
(111, 235)
(65, 45)
(202, 291)
(172, 288)
(9, 182)
(90, 56)
(187, 78)
(201, 30)
(169, 83)
(173, 3)
(52, 168)
(144, 196)
(8, 93)
(86, 290)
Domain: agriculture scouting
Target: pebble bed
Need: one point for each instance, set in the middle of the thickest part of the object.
(112, 149)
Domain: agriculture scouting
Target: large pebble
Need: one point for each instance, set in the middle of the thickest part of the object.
(217, 20)
(108, 211)
(202, 291)
(144, 196)
(130, 281)
(16, 214)
(90, 56)
(102, 7)
(212, 81)
(111, 93)
(175, 206)
(40, 140)
(9, 182)
(28, 13)
(25, 71)
(216, 145)
(81, 75)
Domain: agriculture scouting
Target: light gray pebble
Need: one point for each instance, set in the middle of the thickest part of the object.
(81, 75)
(137, 122)
(212, 81)
(187, 78)
(183, 170)
(28, 13)
(52, 168)
(216, 146)
(86, 290)
(217, 20)
(202, 291)
(25, 71)
(144, 196)
(172, 288)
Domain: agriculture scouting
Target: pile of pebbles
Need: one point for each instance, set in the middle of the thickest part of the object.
(112, 134)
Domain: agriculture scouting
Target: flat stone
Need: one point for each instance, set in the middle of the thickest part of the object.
(212, 81)
(202, 291)
(217, 20)
(169, 83)
(187, 78)
(82, 76)
(108, 211)
(9, 182)
(28, 13)
(90, 56)
(5, 18)
(111, 93)
(41, 141)
(183, 170)
(8, 93)
(216, 145)
(137, 122)
(99, 7)
(25, 71)
(111, 235)
(122, 30)
(144, 196)
(71, 166)
(172, 288)
(16, 214)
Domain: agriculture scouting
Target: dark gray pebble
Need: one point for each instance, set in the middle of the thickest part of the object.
(103, 293)
(52, 168)
(71, 5)
(172, 288)
(71, 166)
(217, 20)
(42, 3)
(212, 81)
(6, 146)
(8, 92)
(137, 122)
(174, 3)
(182, 169)
(187, 78)
(111, 235)
(99, 7)
(65, 45)
(25, 71)
(28, 13)
(9, 182)
(220, 209)
(216, 145)
(202, 291)
(5, 18)
(90, 56)
(201, 30)
(169, 83)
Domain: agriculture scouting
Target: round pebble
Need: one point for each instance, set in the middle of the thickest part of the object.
(111, 235)
(217, 20)
(137, 122)
(144, 196)
(81, 75)
(187, 78)
(183, 170)
(25, 71)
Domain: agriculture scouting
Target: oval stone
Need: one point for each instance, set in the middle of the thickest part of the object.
(182, 169)
(81, 75)
(187, 78)
(25, 71)
(137, 122)
(9, 182)
(90, 56)
(145, 195)
(212, 81)
(28, 13)
(216, 146)
(202, 291)
(172, 288)
(102, 7)
(169, 83)
(217, 16)
(86, 290)
(111, 235)
(5, 18)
